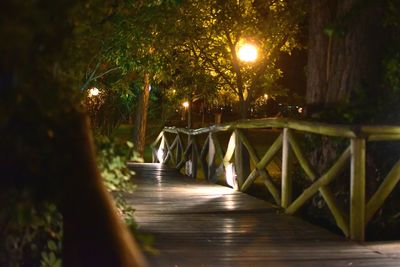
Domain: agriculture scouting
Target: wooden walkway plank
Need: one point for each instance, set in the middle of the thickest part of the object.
(195, 223)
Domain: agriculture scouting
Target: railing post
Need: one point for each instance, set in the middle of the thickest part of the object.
(211, 157)
(193, 157)
(178, 154)
(153, 155)
(160, 153)
(203, 156)
(357, 189)
(287, 185)
(242, 161)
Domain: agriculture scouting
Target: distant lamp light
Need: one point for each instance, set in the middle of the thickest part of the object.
(248, 53)
(160, 155)
(300, 110)
(230, 175)
(185, 104)
(266, 96)
(94, 92)
(150, 87)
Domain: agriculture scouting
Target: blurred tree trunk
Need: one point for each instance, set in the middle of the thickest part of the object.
(345, 51)
(94, 234)
(139, 129)
(46, 148)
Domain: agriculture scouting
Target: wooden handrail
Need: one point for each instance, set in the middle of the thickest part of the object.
(337, 130)
(213, 160)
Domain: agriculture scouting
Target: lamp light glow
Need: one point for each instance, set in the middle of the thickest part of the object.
(160, 155)
(248, 53)
(94, 92)
(185, 104)
(230, 175)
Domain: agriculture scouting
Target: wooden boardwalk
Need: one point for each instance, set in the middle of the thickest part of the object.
(199, 224)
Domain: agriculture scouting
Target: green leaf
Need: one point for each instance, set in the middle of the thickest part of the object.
(329, 31)
(52, 245)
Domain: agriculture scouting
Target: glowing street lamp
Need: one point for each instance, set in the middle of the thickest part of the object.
(187, 109)
(94, 92)
(248, 52)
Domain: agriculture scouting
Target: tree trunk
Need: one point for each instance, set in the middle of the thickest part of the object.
(139, 130)
(189, 113)
(343, 58)
(345, 52)
(94, 234)
(240, 84)
(244, 107)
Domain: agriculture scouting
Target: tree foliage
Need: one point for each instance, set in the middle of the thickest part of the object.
(208, 34)
(191, 46)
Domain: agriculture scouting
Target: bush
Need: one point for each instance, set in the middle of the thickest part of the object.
(111, 160)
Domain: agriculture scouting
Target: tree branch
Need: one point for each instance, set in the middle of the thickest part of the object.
(235, 65)
(105, 73)
(93, 77)
(83, 87)
(212, 64)
(264, 65)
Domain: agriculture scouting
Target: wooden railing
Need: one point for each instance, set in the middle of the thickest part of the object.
(235, 158)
